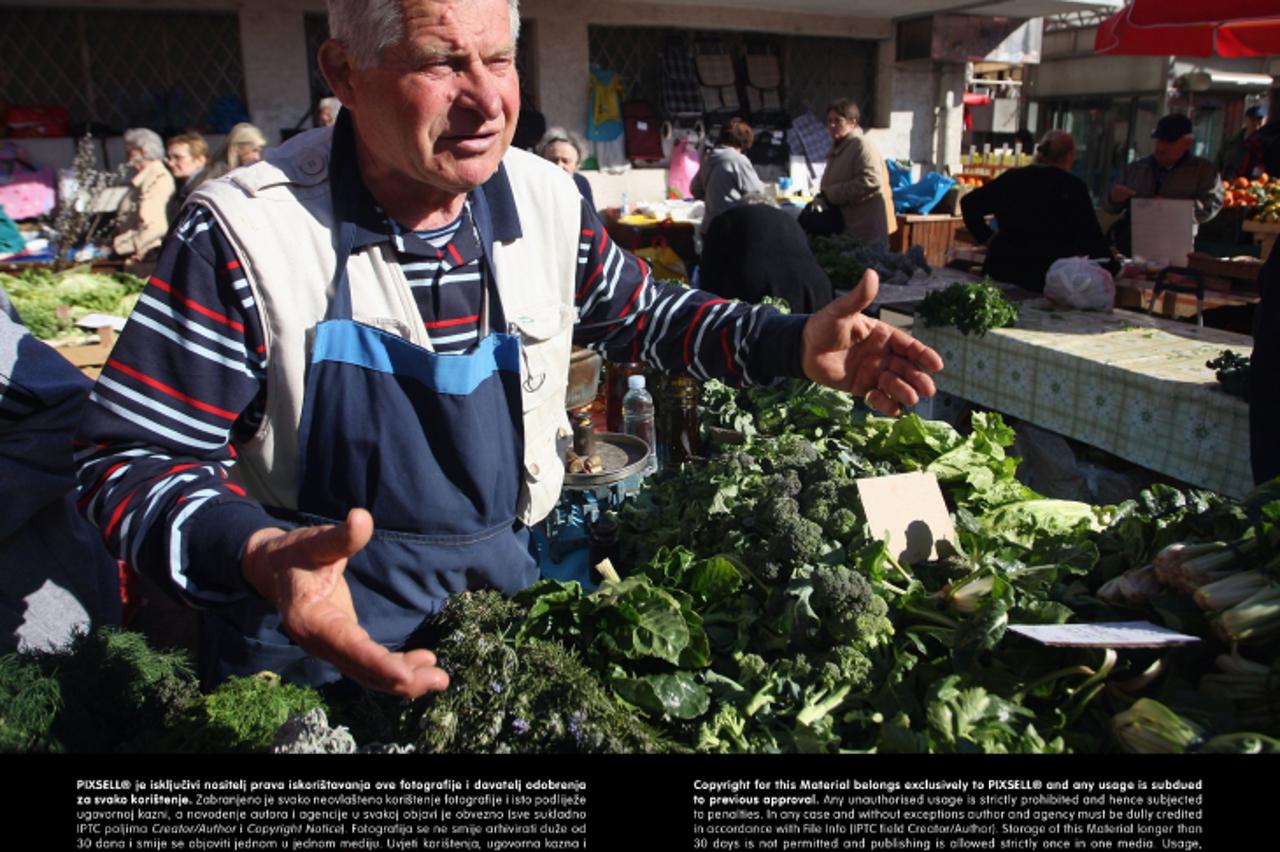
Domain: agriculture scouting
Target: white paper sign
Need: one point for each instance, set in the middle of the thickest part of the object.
(910, 508)
(1163, 229)
(1113, 634)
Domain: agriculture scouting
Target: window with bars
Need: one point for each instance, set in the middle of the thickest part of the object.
(119, 69)
(814, 70)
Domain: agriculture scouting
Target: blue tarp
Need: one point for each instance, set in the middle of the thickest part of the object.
(919, 197)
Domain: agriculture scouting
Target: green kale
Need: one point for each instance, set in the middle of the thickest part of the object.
(536, 698)
(973, 308)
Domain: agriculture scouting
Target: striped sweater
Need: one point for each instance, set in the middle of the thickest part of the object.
(187, 380)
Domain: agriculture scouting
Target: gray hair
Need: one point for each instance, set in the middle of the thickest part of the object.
(560, 134)
(368, 27)
(332, 104)
(147, 141)
(1054, 147)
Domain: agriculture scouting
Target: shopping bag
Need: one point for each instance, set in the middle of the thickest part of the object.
(684, 165)
(821, 218)
(1078, 282)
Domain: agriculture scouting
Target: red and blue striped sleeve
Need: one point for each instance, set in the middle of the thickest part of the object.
(154, 447)
(627, 316)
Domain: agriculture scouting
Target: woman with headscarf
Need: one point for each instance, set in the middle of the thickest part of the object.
(143, 218)
(566, 149)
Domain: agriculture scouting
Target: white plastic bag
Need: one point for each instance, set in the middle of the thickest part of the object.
(1078, 282)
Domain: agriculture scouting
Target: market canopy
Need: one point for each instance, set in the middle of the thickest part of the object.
(1226, 28)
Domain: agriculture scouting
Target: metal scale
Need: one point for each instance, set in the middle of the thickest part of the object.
(564, 538)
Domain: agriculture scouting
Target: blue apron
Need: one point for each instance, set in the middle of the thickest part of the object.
(432, 445)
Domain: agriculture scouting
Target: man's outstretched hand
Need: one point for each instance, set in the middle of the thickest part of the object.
(301, 573)
(847, 350)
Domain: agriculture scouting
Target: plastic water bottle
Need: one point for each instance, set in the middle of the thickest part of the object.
(637, 419)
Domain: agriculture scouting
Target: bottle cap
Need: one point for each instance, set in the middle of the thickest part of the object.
(635, 381)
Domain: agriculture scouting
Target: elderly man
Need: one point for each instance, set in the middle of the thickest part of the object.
(1171, 171)
(373, 325)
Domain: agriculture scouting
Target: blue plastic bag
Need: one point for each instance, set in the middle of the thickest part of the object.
(899, 177)
(922, 197)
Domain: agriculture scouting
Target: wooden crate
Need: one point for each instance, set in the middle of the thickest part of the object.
(935, 234)
(1264, 234)
(90, 357)
(1236, 270)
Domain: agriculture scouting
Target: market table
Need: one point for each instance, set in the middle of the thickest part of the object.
(1133, 385)
(638, 231)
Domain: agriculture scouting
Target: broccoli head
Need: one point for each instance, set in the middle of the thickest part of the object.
(796, 539)
(819, 500)
(843, 525)
(850, 609)
(792, 452)
(785, 483)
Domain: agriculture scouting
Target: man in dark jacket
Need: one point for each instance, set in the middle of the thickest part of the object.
(1171, 171)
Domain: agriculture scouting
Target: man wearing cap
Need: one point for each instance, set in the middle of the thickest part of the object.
(1231, 157)
(1171, 171)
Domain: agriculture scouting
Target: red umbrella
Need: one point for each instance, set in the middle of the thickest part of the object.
(1228, 28)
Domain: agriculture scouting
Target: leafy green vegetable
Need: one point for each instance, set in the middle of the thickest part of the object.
(1232, 371)
(974, 308)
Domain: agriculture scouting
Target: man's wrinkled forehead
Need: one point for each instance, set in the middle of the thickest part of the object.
(473, 17)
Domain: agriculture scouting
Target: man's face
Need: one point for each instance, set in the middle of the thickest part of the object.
(180, 161)
(440, 108)
(1168, 153)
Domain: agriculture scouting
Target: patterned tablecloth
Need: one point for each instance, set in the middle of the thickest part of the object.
(1133, 385)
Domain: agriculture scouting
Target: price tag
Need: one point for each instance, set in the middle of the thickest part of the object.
(1112, 634)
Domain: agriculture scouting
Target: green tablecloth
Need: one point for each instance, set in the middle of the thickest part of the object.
(1130, 384)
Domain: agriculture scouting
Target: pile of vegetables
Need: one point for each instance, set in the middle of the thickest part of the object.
(845, 259)
(1232, 371)
(974, 308)
(51, 302)
(753, 610)
(110, 691)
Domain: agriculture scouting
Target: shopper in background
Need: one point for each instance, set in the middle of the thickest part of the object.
(187, 159)
(1232, 156)
(1171, 171)
(243, 147)
(327, 111)
(566, 149)
(753, 250)
(856, 179)
(143, 217)
(726, 175)
(1042, 212)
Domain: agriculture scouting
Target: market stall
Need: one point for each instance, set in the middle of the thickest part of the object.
(1133, 385)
